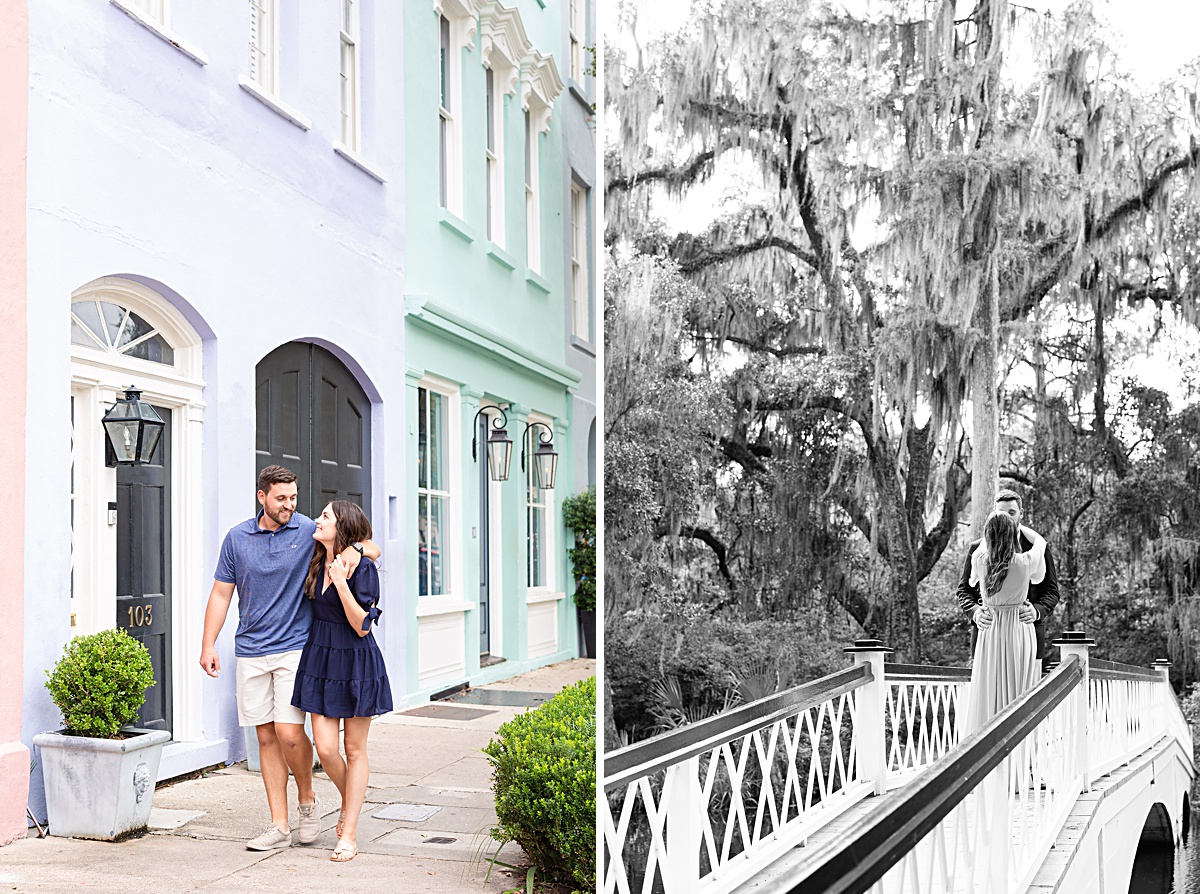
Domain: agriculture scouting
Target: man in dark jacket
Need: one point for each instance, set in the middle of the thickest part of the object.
(1041, 599)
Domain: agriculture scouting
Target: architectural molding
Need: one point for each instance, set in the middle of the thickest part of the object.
(441, 319)
(540, 87)
(504, 43)
(464, 14)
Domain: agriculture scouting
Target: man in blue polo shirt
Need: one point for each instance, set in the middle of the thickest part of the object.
(266, 558)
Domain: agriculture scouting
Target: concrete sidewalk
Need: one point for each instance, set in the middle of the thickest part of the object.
(424, 827)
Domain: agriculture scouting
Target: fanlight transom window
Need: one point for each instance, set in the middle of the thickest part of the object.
(105, 326)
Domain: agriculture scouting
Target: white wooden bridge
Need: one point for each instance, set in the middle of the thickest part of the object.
(860, 782)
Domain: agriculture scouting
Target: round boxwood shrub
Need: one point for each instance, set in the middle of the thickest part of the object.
(100, 683)
(544, 776)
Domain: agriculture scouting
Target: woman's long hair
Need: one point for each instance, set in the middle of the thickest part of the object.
(1000, 539)
(352, 527)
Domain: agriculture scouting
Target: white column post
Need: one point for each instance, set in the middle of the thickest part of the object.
(869, 726)
(1076, 642)
(1162, 695)
(681, 874)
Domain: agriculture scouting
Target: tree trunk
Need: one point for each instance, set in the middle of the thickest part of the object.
(985, 410)
(905, 625)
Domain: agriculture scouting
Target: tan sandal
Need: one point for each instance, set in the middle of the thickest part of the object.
(344, 852)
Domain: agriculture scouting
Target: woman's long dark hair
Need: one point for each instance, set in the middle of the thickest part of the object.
(352, 527)
(1000, 537)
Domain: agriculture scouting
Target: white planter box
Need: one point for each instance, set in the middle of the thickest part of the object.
(100, 788)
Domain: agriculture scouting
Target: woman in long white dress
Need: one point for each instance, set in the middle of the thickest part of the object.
(1005, 664)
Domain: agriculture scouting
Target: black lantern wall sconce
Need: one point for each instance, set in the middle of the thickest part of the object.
(545, 460)
(132, 428)
(499, 445)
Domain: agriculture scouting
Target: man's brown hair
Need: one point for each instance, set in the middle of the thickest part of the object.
(272, 475)
(1006, 496)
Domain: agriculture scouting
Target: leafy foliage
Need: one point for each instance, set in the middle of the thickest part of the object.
(579, 514)
(100, 683)
(544, 777)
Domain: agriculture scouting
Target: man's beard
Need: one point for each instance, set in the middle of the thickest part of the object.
(280, 517)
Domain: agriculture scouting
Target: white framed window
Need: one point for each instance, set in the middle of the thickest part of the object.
(539, 541)
(349, 73)
(264, 44)
(580, 284)
(493, 152)
(533, 228)
(448, 132)
(578, 31)
(111, 327)
(434, 493)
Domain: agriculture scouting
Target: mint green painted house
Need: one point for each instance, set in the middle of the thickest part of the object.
(488, 576)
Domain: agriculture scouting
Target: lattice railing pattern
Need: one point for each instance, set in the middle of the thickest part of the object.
(994, 840)
(1122, 718)
(739, 803)
(920, 720)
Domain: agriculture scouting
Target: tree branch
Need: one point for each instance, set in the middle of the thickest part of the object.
(675, 174)
(706, 257)
(708, 538)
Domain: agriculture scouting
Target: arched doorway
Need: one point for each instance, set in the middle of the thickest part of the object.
(126, 564)
(314, 418)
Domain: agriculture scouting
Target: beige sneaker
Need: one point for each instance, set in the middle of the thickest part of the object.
(309, 826)
(270, 840)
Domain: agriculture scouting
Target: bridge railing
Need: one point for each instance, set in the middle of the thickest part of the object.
(922, 710)
(703, 807)
(1123, 718)
(983, 818)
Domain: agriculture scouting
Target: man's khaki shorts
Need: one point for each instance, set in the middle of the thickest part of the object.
(264, 689)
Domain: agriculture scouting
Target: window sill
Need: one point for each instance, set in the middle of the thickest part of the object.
(538, 281)
(429, 606)
(193, 53)
(274, 103)
(584, 345)
(579, 93)
(543, 595)
(501, 257)
(358, 161)
(456, 225)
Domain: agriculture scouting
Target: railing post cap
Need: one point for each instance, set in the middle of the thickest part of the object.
(1073, 638)
(1161, 662)
(868, 645)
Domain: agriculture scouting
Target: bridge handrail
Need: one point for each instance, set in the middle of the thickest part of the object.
(892, 671)
(1115, 670)
(875, 843)
(648, 757)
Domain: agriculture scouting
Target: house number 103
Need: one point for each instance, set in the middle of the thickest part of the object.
(141, 616)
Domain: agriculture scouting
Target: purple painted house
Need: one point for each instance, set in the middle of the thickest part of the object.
(215, 214)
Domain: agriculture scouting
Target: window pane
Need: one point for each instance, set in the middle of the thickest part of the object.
(534, 577)
(439, 546)
(445, 34)
(134, 329)
(114, 316)
(153, 349)
(437, 442)
(528, 152)
(422, 438)
(89, 315)
(491, 128)
(79, 336)
(445, 162)
(422, 545)
(347, 16)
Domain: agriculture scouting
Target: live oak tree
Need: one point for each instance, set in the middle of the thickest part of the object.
(933, 176)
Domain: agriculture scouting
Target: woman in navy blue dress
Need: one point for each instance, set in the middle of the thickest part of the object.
(341, 679)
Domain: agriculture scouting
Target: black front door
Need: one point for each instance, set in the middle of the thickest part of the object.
(144, 569)
(314, 418)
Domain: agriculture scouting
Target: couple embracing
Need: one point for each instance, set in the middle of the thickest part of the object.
(308, 593)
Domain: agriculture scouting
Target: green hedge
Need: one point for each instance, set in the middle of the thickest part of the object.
(579, 514)
(544, 776)
(100, 683)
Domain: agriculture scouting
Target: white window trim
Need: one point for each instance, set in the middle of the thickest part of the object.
(97, 380)
(580, 274)
(353, 39)
(576, 30)
(495, 161)
(452, 599)
(503, 46)
(462, 16)
(274, 103)
(267, 81)
(162, 31)
(539, 593)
